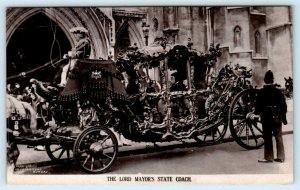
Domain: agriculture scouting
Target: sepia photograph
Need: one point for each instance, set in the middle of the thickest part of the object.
(149, 95)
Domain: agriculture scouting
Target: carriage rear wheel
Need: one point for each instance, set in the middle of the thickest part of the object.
(95, 149)
(246, 132)
(214, 135)
(59, 152)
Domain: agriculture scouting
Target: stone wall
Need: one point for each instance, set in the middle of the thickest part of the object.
(237, 17)
(279, 42)
(277, 15)
(275, 29)
(280, 52)
(258, 25)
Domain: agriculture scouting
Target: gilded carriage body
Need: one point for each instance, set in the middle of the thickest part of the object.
(156, 94)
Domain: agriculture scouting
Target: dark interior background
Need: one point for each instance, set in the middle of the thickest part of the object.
(35, 42)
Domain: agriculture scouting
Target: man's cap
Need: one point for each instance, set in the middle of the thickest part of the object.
(79, 29)
(269, 77)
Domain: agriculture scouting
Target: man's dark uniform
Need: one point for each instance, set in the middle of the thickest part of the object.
(272, 108)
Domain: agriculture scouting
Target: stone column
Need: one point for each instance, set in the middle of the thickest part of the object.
(185, 24)
(209, 26)
(171, 16)
(199, 28)
(170, 30)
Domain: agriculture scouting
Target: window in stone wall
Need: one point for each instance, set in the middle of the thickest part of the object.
(257, 42)
(237, 37)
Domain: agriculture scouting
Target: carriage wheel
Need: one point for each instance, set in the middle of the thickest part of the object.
(59, 152)
(213, 136)
(246, 132)
(95, 149)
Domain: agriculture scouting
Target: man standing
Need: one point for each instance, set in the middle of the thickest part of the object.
(272, 108)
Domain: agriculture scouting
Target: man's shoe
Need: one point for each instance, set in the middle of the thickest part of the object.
(278, 160)
(265, 161)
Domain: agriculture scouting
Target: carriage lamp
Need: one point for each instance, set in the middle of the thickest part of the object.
(145, 29)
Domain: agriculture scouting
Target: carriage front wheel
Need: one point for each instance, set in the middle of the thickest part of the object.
(246, 132)
(95, 149)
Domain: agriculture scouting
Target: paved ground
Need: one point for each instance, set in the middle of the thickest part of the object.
(225, 158)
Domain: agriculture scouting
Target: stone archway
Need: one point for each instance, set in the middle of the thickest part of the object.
(128, 34)
(35, 42)
(135, 34)
(66, 18)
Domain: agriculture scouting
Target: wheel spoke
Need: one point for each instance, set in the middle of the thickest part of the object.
(213, 135)
(205, 135)
(197, 139)
(107, 147)
(104, 139)
(255, 125)
(56, 149)
(68, 154)
(86, 159)
(219, 132)
(107, 156)
(92, 163)
(62, 152)
(254, 136)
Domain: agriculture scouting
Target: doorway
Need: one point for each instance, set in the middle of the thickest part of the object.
(35, 42)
